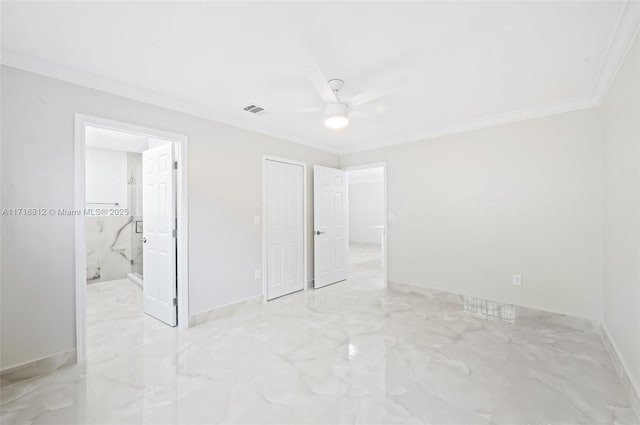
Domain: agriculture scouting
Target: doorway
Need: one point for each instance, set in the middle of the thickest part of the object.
(367, 250)
(350, 225)
(131, 229)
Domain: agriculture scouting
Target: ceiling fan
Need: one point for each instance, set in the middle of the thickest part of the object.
(337, 111)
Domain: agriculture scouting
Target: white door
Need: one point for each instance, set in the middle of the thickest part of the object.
(330, 225)
(284, 210)
(159, 238)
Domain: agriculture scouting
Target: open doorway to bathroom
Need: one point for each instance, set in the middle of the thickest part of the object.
(131, 237)
(367, 225)
(114, 223)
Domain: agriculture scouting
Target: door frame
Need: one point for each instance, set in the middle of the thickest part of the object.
(305, 229)
(182, 186)
(382, 165)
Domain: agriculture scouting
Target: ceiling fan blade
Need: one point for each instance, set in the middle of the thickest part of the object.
(306, 110)
(320, 83)
(361, 114)
(374, 93)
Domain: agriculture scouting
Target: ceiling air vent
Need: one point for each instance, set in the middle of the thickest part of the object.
(254, 109)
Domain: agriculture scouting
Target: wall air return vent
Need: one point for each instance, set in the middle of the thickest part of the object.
(257, 110)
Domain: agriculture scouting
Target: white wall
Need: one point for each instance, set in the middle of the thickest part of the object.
(366, 209)
(621, 124)
(37, 270)
(472, 209)
(106, 178)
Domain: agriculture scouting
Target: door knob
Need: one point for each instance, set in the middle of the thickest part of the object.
(318, 232)
(144, 240)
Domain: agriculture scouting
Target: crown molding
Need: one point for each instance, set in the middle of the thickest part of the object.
(60, 72)
(490, 121)
(621, 41)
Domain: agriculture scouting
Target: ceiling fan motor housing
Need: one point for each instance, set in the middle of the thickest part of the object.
(335, 109)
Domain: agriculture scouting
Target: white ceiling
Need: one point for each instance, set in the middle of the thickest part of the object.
(465, 64)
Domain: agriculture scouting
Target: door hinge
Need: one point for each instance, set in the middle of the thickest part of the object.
(175, 302)
(175, 165)
(175, 233)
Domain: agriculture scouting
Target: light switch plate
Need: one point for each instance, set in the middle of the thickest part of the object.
(256, 220)
(517, 280)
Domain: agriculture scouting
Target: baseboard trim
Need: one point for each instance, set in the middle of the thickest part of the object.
(522, 311)
(215, 312)
(135, 279)
(630, 385)
(38, 367)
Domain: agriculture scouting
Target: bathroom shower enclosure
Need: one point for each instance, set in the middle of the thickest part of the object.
(114, 239)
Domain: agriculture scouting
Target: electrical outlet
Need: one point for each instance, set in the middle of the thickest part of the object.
(256, 220)
(257, 274)
(517, 280)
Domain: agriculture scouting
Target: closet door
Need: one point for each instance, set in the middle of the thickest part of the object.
(285, 228)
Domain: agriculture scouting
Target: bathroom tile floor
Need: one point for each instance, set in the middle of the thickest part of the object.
(353, 352)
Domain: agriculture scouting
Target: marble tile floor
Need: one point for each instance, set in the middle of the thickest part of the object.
(346, 353)
(365, 269)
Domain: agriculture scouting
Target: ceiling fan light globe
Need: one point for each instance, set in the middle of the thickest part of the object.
(336, 122)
